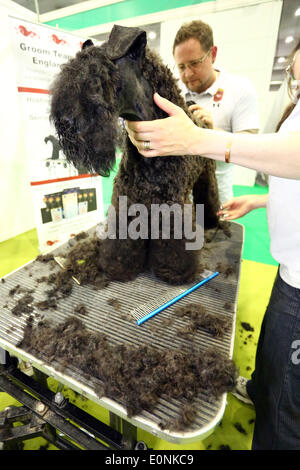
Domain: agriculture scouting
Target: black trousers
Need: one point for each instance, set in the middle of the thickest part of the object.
(275, 384)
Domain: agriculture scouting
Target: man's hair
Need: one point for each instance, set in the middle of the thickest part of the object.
(198, 30)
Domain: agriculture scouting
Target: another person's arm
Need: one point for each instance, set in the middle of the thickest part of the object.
(273, 154)
(240, 206)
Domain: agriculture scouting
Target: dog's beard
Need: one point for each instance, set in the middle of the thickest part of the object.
(94, 150)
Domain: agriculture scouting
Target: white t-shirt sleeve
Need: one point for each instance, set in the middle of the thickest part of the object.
(245, 114)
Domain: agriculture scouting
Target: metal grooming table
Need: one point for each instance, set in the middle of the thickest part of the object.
(119, 328)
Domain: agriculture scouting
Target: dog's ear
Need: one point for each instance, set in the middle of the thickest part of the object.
(87, 43)
(123, 41)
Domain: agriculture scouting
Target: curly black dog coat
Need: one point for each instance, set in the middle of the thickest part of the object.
(90, 93)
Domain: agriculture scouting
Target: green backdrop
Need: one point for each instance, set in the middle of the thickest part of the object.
(119, 11)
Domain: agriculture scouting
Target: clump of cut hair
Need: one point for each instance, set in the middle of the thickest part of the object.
(134, 376)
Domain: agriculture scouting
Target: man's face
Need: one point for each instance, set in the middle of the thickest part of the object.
(196, 76)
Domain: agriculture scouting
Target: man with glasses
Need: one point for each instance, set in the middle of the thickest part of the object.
(222, 100)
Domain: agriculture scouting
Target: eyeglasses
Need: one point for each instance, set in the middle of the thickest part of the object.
(193, 64)
(289, 70)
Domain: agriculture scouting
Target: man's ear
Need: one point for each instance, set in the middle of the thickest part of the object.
(214, 51)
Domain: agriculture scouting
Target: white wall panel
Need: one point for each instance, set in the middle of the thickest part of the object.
(16, 207)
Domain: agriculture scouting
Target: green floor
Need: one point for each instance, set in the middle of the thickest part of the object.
(258, 271)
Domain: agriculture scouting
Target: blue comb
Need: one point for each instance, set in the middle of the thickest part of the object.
(175, 299)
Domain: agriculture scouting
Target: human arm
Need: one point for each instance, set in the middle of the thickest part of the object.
(240, 206)
(273, 154)
(248, 131)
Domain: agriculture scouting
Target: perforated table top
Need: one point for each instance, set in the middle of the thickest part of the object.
(120, 328)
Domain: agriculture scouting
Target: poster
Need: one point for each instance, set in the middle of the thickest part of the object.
(65, 201)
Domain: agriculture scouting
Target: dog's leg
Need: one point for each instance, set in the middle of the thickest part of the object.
(172, 263)
(122, 260)
(172, 259)
(121, 257)
(205, 191)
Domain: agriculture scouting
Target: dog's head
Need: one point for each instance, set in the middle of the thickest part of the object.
(84, 110)
(126, 47)
(94, 89)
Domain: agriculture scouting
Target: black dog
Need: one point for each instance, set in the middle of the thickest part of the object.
(90, 93)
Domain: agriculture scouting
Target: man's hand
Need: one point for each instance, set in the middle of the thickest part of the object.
(203, 114)
(242, 205)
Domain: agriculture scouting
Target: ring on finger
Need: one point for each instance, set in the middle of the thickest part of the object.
(146, 144)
